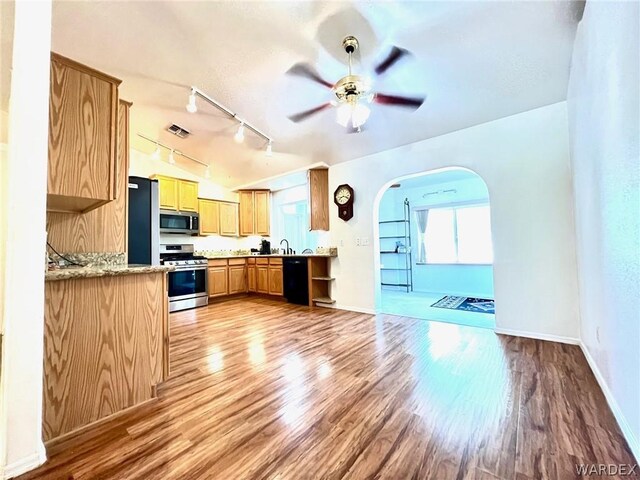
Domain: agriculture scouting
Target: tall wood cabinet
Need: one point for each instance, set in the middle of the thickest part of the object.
(319, 199)
(177, 194)
(255, 211)
(83, 128)
(103, 229)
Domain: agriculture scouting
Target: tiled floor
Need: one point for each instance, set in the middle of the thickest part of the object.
(418, 305)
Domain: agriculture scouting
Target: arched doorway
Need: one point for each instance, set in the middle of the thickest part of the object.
(434, 248)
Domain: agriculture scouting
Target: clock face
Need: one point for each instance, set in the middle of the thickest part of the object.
(343, 196)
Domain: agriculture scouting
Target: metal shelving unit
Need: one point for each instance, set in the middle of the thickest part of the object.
(406, 236)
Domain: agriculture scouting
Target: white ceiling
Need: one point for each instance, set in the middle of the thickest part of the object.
(475, 61)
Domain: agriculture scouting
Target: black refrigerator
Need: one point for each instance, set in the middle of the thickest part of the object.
(144, 222)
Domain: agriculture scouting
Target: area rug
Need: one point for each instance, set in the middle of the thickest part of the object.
(469, 304)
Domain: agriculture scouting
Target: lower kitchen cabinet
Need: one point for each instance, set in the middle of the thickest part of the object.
(237, 277)
(275, 276)
(218, 284)
(265, 275)
(262, 275)
(252, 281)
(275, 280)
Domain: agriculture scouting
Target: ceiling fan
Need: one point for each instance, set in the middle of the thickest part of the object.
(353, 93)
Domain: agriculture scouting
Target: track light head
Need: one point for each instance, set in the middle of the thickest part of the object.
(269, 152)
(172, 160)
(191, 106)
(239, 136)
(156, 153)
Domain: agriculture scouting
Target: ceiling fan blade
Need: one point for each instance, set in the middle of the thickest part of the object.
(409, 102)
(298, 117)
(307, 71)
(394, 56)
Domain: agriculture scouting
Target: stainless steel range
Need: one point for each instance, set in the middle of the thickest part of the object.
(188, 282)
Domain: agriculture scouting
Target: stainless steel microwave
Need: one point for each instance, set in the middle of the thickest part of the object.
(179, 222)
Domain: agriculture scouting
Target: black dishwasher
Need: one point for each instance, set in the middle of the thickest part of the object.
(296, 285)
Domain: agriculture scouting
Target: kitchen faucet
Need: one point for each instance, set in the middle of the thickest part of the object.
(287, 250)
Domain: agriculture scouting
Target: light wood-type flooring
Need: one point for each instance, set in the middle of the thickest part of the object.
(267, 390)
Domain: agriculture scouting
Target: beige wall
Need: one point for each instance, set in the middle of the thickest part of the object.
(24, 185)
(605, 152)
(524, 160)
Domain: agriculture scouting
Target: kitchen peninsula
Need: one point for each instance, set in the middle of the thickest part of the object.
(106, 343)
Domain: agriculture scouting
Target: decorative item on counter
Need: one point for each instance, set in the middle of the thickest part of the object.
(331, 251)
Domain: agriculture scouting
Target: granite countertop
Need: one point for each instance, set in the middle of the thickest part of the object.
(102, 271)
(273, 255)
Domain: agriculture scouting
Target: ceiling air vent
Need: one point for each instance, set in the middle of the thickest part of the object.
(178, 131)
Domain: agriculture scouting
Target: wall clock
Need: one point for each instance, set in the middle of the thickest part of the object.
(343, 197)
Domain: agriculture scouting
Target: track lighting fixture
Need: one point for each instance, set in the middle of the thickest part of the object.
(156, 153)
(172, 153)
(207, 173)
(269, 149)
(239, 136)
(191, 106)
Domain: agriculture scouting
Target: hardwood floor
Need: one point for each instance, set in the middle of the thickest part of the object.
(264, 389)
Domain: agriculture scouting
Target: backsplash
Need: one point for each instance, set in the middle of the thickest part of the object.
(213, 242)
(218, 243)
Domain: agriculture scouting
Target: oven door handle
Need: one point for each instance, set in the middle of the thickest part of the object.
(182, 269)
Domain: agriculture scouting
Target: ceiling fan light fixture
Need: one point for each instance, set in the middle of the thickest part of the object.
(239, 136)
(352, 113)
(191, 105)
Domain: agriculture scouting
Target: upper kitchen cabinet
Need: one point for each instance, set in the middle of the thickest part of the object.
(319, 199)
(218, 218)
(209, 211)
(83, 126)
(228, 219)
(177, 194)
(255, 212)
(168, 192)
(187, 196)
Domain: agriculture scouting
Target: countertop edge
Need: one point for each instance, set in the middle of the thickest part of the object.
(107, 271)
(306, 255)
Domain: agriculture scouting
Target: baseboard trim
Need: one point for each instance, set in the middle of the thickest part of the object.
(348, 308)
(26, 464)
(632, 441)
(538, 336)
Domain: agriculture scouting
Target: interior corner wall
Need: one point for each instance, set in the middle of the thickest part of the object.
(604, 131)
(524, 160)
(24, 182)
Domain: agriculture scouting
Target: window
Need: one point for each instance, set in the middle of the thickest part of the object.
(293, 225)
(454, 235)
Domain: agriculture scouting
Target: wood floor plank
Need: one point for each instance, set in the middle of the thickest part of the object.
(267, 390)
